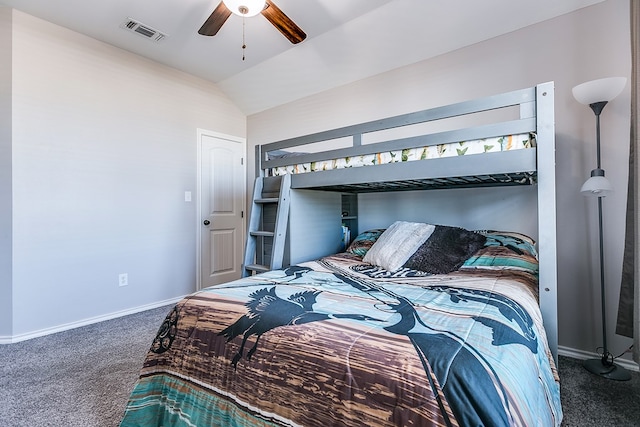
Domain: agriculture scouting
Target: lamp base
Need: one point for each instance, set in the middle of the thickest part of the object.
(611, 372)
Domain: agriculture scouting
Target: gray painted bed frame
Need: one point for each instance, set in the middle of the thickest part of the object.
(534, 166)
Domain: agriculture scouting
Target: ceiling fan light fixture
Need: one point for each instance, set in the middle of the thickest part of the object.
(245, 8)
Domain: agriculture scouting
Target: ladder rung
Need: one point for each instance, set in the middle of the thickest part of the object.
(262, 233)
(257, 267)
(267, 200)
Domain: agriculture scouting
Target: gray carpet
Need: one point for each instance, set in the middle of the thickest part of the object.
(82, 378)
(590, 400)
(77, 378)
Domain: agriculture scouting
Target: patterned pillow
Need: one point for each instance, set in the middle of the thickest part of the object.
(505, 251)
(517, 242)
(363, 242)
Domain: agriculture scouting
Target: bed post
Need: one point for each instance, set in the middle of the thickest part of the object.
(258, 161)
(548, 289)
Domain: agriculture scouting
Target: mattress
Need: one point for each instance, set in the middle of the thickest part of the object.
(342, 342)
(464, 148)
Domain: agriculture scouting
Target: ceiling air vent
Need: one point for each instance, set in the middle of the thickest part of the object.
(143, 30)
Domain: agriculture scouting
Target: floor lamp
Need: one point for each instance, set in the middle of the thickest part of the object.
(596, 94)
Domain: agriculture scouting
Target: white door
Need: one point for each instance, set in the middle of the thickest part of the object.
(221, 202)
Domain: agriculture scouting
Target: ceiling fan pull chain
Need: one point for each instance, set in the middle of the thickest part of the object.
(244, 46)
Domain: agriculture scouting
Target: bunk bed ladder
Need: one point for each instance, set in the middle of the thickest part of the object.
(267, 232)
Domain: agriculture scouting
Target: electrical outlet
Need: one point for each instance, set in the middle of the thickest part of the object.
(123, 279)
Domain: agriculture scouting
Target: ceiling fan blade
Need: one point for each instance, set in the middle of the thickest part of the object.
(283, 23)
(213, 24)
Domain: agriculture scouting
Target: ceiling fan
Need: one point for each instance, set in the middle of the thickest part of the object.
(246, 8)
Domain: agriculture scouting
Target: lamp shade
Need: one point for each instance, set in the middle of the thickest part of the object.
(245, 8)
(597, 186)
(599, 90)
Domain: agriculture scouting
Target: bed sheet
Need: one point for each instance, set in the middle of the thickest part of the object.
(338, 342)
(464, 148)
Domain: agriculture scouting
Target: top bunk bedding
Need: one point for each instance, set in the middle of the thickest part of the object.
(412, 151)
(462, 148)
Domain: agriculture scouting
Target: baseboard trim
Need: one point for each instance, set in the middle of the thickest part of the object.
(584, 355)
(68, 326)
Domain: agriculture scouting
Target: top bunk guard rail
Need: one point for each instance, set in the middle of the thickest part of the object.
(522, 97)
(503, 171)
(480, 132)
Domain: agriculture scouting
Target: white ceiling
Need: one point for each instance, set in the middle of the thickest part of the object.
(347, 40)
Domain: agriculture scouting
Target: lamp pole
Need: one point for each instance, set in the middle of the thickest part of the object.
(597, 109)
(605, 350)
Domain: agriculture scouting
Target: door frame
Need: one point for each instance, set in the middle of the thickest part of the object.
(232, 139)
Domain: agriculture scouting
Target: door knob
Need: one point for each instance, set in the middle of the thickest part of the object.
(206, 222)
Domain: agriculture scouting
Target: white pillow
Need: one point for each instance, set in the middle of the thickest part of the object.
(396, 245)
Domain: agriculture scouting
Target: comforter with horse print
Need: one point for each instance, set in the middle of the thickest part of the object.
(337, 342)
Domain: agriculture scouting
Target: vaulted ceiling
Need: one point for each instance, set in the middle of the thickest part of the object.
(347, 40)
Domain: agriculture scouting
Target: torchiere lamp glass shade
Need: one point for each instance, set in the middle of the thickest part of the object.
(597, 185)
(599, 90)
(245, 8)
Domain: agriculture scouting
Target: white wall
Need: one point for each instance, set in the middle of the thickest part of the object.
(584, 45)
(5, 172)
(104, 147)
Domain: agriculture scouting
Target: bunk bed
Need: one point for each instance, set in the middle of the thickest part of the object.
(414, 324)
